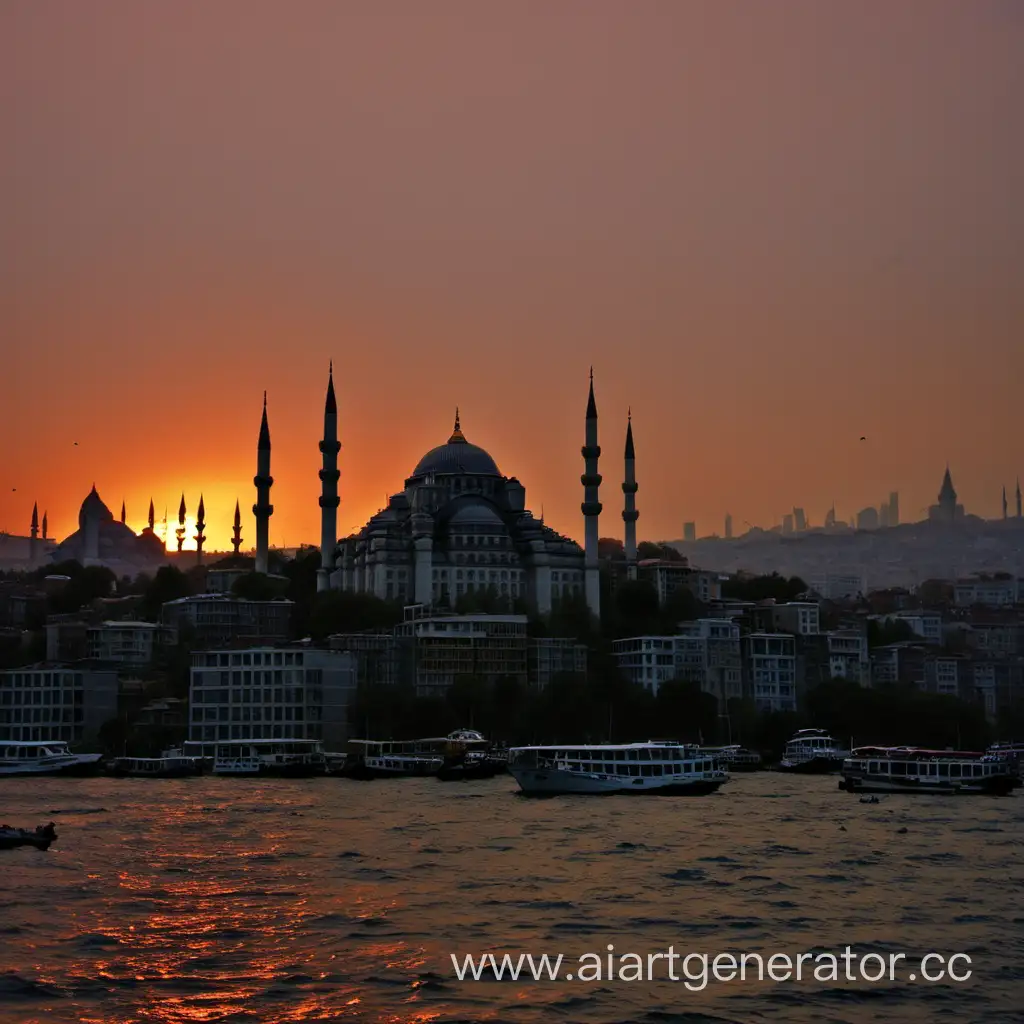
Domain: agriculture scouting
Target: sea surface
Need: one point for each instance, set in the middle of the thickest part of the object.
(238, 900)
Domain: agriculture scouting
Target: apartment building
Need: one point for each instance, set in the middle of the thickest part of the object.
(217, 619)
(128, 643)
(771, 668)
(56, 702)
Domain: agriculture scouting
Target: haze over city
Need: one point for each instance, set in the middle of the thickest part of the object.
(772, 229)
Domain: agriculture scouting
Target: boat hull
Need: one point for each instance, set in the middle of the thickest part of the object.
(813, 766)
(552, 782)
(995, 785)
(83, 764)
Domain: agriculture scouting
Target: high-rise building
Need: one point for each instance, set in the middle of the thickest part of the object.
(689, 531)
(728, 526)
(799, 520)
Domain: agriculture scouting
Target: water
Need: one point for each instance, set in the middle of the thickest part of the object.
(235, 900)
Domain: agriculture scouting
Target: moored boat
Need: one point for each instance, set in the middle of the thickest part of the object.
(40, 837)
(812, 752)
(734, 758)
(155, 767)
(663, 767)
(44, 757)
(914, 770)
(469, 756)
(394, 759)
(274, 757)
(1014, 754)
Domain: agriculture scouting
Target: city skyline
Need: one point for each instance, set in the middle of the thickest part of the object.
(772, 231)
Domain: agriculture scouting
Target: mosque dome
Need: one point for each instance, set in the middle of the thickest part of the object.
(457, 456)
(476, 513)
(93, 508)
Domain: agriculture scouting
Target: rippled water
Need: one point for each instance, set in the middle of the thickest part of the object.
(273, 901)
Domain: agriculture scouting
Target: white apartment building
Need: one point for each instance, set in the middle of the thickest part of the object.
(771, 658)
(926, 625)
(127, 642)
(56, 702)
(647, 660)
(258, 693)
(837, 586)
(993, 593)
(668, 577)
(800, 617)
(848, 656)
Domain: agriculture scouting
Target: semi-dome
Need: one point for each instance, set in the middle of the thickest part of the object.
(476, 513)
(457, 456)
(93, 508)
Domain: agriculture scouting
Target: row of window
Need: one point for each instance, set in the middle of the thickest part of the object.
(39, 680)
(16, 715)
(267, 658)
(279, 731)
(9, 698)
(35, 733)
(254, 714)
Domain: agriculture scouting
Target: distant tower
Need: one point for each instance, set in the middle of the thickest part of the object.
(180, 531)
(591, 506)
(44, 525)
(1018, 498)
(799, 520)
(152, 517)
(33, 534)
(689, 532)
(894, 508)
(946, 509)
(236, 538)
(728, 526)
(263, 510)
(1004, 502)
(200, 526)
(124, 519)
(629, 489)
(329, 500)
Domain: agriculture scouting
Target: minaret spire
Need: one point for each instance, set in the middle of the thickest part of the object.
(1004, 501)
(33, 534)
(152, 517)
(200, 526)
(44, 524)
(329, 476)
(591, 506)
(629, 489)
(458, 437)
(180, 532)
(1018, 498)
(236, 539)
(263, 510)
(124, 518)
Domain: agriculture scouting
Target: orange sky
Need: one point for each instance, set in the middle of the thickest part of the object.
(772, 228)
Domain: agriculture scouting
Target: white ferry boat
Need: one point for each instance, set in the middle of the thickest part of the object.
(652, 767)
(46, 757)
(734, 758)
(283, 758)
(813, 752)
(156, 767)
(1014, 753)
(392, 759)
(913, 770)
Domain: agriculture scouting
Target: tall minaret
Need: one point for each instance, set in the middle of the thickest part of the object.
(629, 489)
(591, 507)
(236, 538)
(44, 524)
(1004, 502)
(200, 526)
(33, 534)
(1018, 498)
(124, 518)
(329, 500)
(152, 517)
(263, 510)
(180, 531)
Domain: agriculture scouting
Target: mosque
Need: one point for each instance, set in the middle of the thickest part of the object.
(458, 526)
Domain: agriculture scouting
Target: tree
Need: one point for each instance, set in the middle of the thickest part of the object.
(763, 588)
(344, 611)
(882, 632)
(169, 584)
(255, 586)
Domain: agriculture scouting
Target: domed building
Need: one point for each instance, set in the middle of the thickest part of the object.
(102, 540)
(459, 527)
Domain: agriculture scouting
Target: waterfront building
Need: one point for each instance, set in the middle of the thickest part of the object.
(667, 577)
(56, 702)
(771, 667)
(216, 619)
(262, 693)
(127, 642)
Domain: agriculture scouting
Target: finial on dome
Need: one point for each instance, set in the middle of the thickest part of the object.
(457, 436)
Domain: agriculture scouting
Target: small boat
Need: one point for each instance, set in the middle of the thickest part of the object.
(394, 759)
(44, 757)
(292, 759)
(812, 752)
(1014, 754)
(469, 756)
(914, 770)
(734, 757)
(657, 766)
(155, 767)
(40, 837)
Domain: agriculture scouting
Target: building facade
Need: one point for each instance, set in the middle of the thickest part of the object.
(56, 702)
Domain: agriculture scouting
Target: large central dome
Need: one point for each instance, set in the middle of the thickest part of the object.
(457, 456)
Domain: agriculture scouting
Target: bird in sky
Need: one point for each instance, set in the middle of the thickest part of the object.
(76, 444)
(863, 438)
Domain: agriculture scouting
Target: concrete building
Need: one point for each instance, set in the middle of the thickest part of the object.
(771, 670)
(867, 519)
(550, 656)
(648, 661)
(128, 643)
(927, 625)
(668, 577)
(217, 619)
(689, 532)
(56, 702)
(836, 586)
(988, 591)
(802, 618)
(262, 693)
(848, 656)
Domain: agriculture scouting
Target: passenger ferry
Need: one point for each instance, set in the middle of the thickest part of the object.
(44, 757)
(392, 759)
(468, 755)
(1014, 753)
(913, 770)
(734, 758)
(813, 752)
(283, 758)
(156, 767)
(653, 767)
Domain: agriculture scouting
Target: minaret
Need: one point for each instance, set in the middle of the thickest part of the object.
(629, 489)
(152, 517)
(263, 510)
(200, 526)
(180, 531)
(236, 539)
(33, 534)
(329, 500)
(44, 525)
(124, 520)
(591, 507)
(1018, 498)
(1004, 502)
